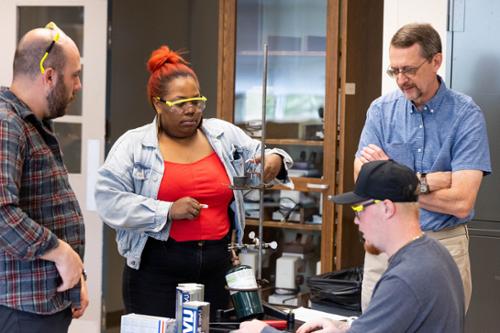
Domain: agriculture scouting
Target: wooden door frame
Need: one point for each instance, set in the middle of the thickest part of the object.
(225, 106)
(347, 21)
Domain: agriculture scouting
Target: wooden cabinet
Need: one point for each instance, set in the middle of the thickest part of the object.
(308, 113)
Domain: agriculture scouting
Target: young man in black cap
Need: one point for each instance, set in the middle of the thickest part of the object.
(421, 290)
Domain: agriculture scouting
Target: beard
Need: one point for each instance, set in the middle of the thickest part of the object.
(415, 96)
(57, 100)
(372, 249)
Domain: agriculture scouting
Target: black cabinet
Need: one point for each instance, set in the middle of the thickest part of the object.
(483, 315)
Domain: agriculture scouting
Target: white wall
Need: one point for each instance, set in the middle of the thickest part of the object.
(400, 12)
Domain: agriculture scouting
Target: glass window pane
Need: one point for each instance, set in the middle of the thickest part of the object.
(69, 19)
(307, 160)
(70, 139)
(295, 32)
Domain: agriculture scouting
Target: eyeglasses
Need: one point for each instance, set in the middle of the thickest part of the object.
(406, 71)
(51, 26)
(181, 105)
(361, 207)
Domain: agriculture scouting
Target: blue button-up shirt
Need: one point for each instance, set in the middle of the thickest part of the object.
(448, 134)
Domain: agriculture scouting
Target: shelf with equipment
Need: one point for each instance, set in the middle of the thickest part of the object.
(286, 225)
(307, 110)
(294, 142)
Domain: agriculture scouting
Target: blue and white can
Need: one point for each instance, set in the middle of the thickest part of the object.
(186, 292)
(195, 317)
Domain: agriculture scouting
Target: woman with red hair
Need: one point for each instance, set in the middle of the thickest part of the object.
(165, 189)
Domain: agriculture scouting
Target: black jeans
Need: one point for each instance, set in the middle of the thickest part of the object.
(15, 321)
(151, 289)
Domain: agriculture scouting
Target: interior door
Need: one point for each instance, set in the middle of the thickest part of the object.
(474, 71)
(81, 131)
(474, 61)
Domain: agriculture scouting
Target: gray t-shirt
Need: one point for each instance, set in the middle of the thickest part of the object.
(421, 291)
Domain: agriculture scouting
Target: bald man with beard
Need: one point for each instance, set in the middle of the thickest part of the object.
(42, 236)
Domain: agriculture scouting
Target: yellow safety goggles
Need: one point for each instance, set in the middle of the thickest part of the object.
(181, 104)
(361, 206)
(51, 26)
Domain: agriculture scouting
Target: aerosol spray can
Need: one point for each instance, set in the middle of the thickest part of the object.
(244, 292)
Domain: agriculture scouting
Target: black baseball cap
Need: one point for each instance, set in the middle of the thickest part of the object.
(382, 180)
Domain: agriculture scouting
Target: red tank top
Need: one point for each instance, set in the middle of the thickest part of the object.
(205, 180)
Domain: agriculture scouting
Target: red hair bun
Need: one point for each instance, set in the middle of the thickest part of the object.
(163, 55)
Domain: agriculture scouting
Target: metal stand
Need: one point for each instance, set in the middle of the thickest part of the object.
(262, 161)
(242, 184)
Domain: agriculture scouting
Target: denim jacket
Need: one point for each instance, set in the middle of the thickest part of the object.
(128, 183)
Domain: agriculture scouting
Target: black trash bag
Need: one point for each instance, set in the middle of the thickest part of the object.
(340, 289)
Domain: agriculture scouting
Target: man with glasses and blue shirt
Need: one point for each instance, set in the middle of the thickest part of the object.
(437, 132)
(421, 290)
(42, 235)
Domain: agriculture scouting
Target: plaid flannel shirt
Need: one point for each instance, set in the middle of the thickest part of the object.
(37, 207)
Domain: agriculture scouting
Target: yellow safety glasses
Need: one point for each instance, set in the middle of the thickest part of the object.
(51, 26)
(361, 207)
(180, 105)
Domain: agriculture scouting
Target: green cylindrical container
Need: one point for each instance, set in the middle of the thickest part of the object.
(244, 292)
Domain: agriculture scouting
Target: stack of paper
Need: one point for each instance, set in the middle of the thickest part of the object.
(304, 314)
(136, 323)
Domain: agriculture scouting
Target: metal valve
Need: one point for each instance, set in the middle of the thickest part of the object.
(271, 245)
(255, 245)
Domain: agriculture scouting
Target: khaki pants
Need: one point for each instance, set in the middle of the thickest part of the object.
(456, 240)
